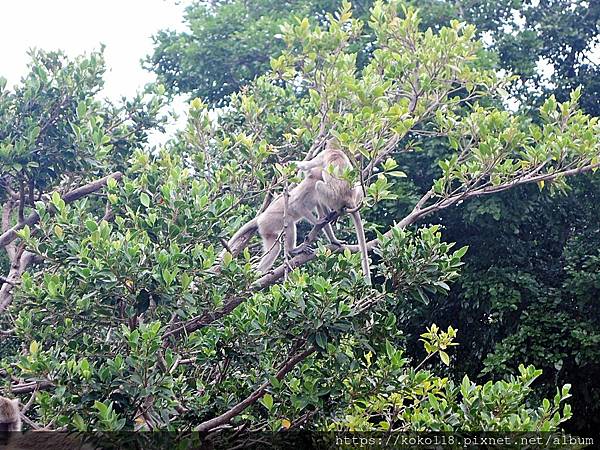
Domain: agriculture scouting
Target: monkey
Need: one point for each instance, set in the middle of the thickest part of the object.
(10, 414)
(337, 194)
(302, 201)
(10, 421)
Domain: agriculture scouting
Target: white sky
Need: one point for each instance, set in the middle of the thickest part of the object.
(125, 27)
(78, 26)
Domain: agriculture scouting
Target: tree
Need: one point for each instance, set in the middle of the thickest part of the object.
(55, 138)
(517, 279)
(549, 44)
(526, 292)
(228, 45)
(183, 338)
(517, 296)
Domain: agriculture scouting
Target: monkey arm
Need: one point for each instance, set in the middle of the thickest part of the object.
(317, 161)
(308, 215)
(323, 214)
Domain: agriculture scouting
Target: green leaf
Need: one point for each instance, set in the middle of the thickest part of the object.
(145, 199)
(25, 232)
(56, 200)
(321, 340)
(267, 401)
(444, 357)
(79, 423)
(91, 225)
(34, 347)
(227, 258)
(397, 174)
(461, 251)
(81, 109)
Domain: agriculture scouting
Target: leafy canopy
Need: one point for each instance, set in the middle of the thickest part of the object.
(129, 325)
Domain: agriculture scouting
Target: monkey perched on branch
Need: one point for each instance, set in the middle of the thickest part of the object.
(337, 194)
(301, 203)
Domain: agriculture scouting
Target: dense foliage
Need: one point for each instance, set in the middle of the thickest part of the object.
(228, 44)
(549, 44)
(120, 312)
(527, 292)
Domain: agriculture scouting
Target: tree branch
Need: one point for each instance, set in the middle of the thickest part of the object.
(256, 395)
(32, 386)
(6, 212)
(18, 265)
(11, 234)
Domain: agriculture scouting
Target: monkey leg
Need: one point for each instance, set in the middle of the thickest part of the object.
(271, 249)
(290, 238)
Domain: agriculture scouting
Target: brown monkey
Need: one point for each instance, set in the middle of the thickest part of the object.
(337, 194)
(302, 201)
(10, 414)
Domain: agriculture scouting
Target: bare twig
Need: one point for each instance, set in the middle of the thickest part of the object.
(30, 422)
(32, 386)
(30, 402)
(108, 212)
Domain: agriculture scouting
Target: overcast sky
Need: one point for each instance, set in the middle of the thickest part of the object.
(77, 26)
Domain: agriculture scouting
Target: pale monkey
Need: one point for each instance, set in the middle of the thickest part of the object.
(302, 201)
(337, 194)
(10, 414)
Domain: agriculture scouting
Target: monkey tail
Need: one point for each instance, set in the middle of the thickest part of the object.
(362, 245)
(236, 244)
(248, 228)
(353, 210)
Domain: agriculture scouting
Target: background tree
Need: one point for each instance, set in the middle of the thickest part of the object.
(523, 299)
(549, 44)
(228, 44)
(56, 138)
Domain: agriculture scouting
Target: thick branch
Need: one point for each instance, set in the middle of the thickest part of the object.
(11, 234)
(205, 319)
(25, 388)
(256, 395)
(6, 212)
(17, 267)
(7, 209)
